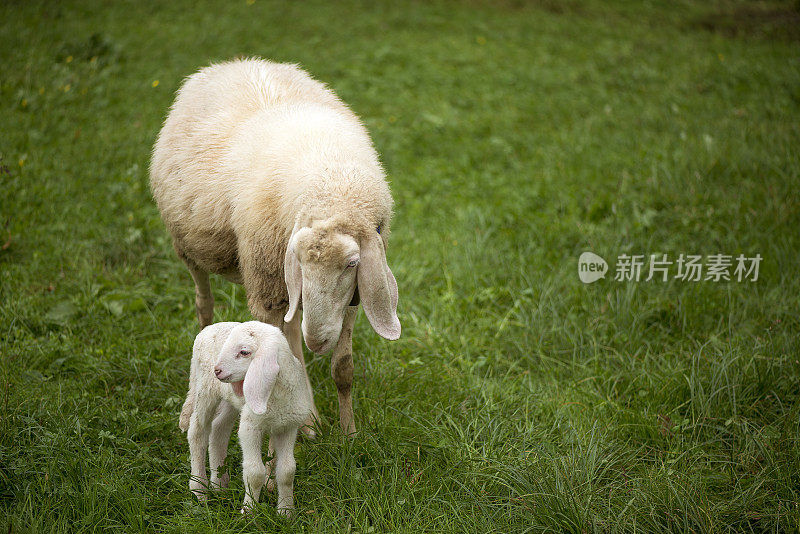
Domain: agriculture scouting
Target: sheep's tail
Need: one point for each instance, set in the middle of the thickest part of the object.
(186, 411)
(188, 405)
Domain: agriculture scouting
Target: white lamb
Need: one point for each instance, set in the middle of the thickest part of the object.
(245, 368)
(264, 176)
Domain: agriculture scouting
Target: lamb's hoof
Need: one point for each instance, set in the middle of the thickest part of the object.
(221, 483)
(286, 512)
(308, 432)
(271, 485)
(199, 488)
(310, 426)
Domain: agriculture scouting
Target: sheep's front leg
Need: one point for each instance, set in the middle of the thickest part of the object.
(285, 468)
(254, 472)
(221, 429)
(257, 296)
(342, 372)
(271, 465)
(204, 300)
(295, 338)
(199, 429)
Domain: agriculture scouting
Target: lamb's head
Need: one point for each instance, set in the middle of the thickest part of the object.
(331, 265)
(249, 361)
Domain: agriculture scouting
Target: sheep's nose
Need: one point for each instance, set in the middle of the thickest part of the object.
(217, 371)
(317, 347)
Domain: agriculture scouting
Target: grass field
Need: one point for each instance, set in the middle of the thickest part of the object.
(516, 136)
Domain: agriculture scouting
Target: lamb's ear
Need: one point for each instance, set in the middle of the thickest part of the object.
(293, 275)
(260, 377)
(378, 288)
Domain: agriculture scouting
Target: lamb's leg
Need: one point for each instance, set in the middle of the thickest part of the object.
(199, 429)
(284, 469)
(254, 472)
(204, 300)
(295, 338)
(342, 371)
(218, 443)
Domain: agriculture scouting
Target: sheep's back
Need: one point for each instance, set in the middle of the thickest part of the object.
(247, 146)
(196, 169)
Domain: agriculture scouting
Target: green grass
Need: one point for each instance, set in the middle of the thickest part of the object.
(516, 136)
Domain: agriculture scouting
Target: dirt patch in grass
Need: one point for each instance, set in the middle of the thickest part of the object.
(767, 20)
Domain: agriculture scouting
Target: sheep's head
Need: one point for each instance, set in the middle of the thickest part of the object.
(249, 361)
(332, 265)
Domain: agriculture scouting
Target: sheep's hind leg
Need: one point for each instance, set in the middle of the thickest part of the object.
(271, 466)
(221, 429)
(204, 300)
(342, 372)
(199, 429)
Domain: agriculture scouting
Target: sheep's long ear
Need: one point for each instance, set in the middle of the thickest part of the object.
(293, 275)
(260, 377)
(378, 288)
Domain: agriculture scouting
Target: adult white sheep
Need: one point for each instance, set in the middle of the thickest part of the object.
(264, 176)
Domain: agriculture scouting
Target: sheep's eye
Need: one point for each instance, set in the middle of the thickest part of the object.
(244, 352)
(352, 263)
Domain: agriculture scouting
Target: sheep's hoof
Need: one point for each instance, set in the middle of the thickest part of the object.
(349, 429)
(271, 485)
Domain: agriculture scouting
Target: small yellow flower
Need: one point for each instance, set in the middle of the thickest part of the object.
(69, 59)
(155, 83)
(67, 87)
(21, 162)
(481, 40)
(392, 119)
(24, 103)
(251, 2)
(41, 90)
(721, 57)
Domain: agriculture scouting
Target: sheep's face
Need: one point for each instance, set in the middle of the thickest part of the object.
(328, 263)
(236, 356)
(323, 265)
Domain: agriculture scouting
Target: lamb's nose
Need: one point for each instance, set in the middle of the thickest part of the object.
(217, 371)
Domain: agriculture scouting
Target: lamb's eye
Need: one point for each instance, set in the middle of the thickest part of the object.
(244, 352)
(352, 263)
